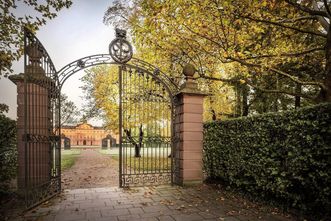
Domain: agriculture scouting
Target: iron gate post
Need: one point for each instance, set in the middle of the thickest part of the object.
(188, 131)
(37, 124)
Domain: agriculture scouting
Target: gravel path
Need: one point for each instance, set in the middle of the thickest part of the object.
(91, 170)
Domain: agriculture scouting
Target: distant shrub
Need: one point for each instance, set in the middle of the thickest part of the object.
(284, 156)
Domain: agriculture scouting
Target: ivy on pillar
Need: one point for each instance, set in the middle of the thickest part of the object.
(189, 131)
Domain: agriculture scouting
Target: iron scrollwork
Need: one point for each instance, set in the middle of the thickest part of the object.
(120, 49)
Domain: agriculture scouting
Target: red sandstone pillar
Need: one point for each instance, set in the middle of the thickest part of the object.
(38, 123)
(188, 132)
(36, 162)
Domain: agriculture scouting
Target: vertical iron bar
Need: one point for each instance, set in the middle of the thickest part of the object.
(25, 120)
(154, 122)
(140, 111)
(59, 141)
(159, 137)
(120, 124)
(130, 105)
(144, 119)
(172, 140)
(148, 124)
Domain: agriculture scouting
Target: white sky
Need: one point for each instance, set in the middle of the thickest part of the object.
(75, 33)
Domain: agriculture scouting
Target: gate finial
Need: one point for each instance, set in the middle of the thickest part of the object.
(120, 33)
(120, 49)
(190, 83)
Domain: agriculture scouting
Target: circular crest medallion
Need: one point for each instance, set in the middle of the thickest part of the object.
(120, 50)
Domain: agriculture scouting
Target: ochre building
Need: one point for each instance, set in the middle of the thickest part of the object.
(85, 134)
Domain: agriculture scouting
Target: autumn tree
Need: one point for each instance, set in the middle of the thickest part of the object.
(69, 111)
(146, 105)
(102, 95)
(142, 97)
(12, 22)
(274, 47)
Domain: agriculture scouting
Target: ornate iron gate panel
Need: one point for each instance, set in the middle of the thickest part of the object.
(41, 125)
(146, 118)
(146, 128)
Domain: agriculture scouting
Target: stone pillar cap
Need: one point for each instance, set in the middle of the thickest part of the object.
(189, 70)
(190, 86)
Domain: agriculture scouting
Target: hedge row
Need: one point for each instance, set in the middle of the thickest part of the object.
(8, 152)
(280, 156)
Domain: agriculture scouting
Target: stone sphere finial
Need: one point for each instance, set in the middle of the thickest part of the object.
(189, 70)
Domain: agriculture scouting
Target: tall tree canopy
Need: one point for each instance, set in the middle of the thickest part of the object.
(69, 111)
(279, 47)
(144, 106)
(12, 20)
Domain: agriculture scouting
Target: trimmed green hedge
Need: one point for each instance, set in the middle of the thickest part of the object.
(280, 156)
(8, 152)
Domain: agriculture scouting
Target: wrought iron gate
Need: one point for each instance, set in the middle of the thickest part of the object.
(39, 124)
(145, 118)
(146, 128)
(145, 115)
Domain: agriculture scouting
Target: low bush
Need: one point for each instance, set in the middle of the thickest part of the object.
(280, 156)
(8, 152)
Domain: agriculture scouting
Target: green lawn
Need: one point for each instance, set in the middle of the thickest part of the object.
(68, 158)
(105, 152)
(147, 163)
(143, 163)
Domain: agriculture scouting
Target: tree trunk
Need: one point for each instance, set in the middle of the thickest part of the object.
(275, 105)
(238, 100)
(214, 117)
(245, 100)
(297, 102)
(325, 94)
(137, 145)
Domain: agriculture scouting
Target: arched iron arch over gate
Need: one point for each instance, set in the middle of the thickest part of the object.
(146, 113)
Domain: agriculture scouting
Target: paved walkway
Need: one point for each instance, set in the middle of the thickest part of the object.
(163, 203)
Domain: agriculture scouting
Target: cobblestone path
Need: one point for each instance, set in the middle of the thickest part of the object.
(163, 203)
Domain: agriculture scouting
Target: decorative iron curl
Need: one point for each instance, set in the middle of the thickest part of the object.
(134, 63)
(120, 49)
(146, 179)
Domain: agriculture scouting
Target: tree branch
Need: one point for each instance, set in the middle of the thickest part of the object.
(284, 26)
(307, 9)
(297, 19)
(327, 7)
(287, 54)
(228, 80)
(293, 78)
(325, 24)
(272, 91)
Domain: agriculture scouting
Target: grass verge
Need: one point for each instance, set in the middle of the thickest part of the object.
(105, 152)
(68, 158)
